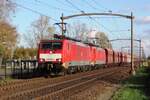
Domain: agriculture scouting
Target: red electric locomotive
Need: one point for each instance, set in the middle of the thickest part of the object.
(69, 55)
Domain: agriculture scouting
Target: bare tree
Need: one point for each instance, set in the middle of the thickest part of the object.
(6, 8)
(103, 40)
(40, 29)
(78, 30)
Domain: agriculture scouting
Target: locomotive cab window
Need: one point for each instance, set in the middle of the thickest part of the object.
(57, 45)
(51, 45)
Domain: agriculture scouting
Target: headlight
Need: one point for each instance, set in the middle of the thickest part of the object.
(58, 59)
(42, 60)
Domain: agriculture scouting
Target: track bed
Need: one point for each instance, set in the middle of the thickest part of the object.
(60, 88)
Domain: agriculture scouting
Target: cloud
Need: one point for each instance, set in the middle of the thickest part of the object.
(147, 31)
(146, 8)
(146, 34)
(143, 21)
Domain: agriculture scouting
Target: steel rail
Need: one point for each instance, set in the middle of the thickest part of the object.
(30, 94)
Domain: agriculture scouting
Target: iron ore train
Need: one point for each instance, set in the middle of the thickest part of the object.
(69, 56)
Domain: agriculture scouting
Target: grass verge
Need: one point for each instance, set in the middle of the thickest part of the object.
(4, 81)
(136, 87)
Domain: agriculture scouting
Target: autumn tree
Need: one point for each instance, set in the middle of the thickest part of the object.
(102, 40)
(25, 53)
(78, 30)
(8, 33)
(40, 29)
(1, 53)
(8, 40)
(1, 50)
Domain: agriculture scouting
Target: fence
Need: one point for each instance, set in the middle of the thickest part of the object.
(20, 68)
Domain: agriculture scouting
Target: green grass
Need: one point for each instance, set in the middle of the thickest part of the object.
(135, 87)
(128, 93)
(3, 81)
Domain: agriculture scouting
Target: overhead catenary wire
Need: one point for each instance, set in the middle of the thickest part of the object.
(95, 19)
(98, 4)
(74, 6)
(56, 8)
(34, 11)
(63, 3)
(116, 27)
(93, 7)
(88, 16)
(100, 24)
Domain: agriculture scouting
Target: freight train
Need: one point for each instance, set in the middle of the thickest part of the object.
(69, 56)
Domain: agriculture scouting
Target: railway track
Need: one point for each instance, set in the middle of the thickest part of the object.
(102, 87)
(56, 88)
(14, 82)
(16, 86)
(67, 93)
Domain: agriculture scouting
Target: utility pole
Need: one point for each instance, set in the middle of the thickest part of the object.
(132, 53)
(62, 23)
(140, 45)
(124, 47)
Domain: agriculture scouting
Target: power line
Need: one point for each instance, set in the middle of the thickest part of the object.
(92, 6)
(88, 15)
(95, 19)
(82, 11)
(34, 11)
(98, 4)
(56, 8)
(120, 30)
(74, 6)
(61, 2)
(116, 27)
(99, 24)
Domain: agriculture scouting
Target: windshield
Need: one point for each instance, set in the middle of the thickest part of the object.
(51, 45)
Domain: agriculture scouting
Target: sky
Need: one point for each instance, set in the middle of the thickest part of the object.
(28, 11)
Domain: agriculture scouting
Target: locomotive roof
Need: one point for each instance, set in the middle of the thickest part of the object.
(61, 38)
(47, 40)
